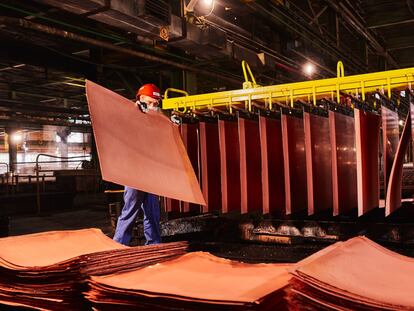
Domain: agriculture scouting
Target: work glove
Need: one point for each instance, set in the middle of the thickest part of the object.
(142, 106)
(176, 120)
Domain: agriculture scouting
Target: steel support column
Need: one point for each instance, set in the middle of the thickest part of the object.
(12, 149)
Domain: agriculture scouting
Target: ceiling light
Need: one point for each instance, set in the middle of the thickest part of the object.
(16, 138)
(193, 3)
(309, 69)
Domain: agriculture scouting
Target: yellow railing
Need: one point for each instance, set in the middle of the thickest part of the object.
(357, 85)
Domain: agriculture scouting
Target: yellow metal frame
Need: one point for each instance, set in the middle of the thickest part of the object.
(173, 90)
(246, 73)
(383, 81)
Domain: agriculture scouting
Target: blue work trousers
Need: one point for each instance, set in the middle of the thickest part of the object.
(133, 200)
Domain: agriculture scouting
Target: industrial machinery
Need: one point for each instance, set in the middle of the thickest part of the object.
(305, 155)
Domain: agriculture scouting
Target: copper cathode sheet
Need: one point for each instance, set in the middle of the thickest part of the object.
(273, 179)
(367, 133)
(318, 163)
(294, 163)
(230, 166)
(210, 165)
(140, 150)
(344, 170)
(250, 165)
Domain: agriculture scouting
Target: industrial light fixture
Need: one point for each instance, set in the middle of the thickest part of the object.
(206, 3)
(16, 138)
(309, 69)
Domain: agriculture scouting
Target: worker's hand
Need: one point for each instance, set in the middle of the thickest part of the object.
(176, 120)
(142, 106)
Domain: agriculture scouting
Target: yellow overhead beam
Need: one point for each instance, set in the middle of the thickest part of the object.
(383, 81)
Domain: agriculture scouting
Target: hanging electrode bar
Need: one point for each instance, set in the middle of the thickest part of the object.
(362, 84)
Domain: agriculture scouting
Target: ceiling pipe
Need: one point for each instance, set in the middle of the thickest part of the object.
(283, 15)
(17, 105)
(347, 15)
(18, 22)
(27, 122)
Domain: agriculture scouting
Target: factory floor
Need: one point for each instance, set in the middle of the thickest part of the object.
(93, 217)
(98, 217)
(89, 211)
(92, 212)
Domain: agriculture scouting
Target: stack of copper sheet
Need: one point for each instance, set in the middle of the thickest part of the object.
(195, 281)
(354, 275)
(47, 270)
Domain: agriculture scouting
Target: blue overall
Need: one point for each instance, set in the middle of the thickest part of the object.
(134, 199)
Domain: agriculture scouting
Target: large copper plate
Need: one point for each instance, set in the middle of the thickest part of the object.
(318, 163)
(230, 166)
(250, 166)
(367, 132)
(294, 163)
(390, 139)
(273, 178)
(344, 172)
(394, 189)
(210, 165)
(140, 150)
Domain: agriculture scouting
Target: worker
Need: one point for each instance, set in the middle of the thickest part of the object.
(148, 98)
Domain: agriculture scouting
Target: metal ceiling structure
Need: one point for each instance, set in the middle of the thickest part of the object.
(50, 47)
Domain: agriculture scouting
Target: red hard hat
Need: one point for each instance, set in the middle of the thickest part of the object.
(150, 90)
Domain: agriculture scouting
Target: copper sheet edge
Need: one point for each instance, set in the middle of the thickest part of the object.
(394, 189)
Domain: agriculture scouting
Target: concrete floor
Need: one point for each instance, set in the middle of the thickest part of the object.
(92, 212)
(98, 217)
(92, 217)
(89, 211)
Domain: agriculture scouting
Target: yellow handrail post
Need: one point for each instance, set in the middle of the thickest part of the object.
(248, 82)
(340, 72)
(174, 90)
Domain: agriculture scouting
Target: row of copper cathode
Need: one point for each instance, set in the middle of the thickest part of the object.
(293, 163)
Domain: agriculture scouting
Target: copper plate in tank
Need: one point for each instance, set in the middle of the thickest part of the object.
(230, 166)
(367, 132)
(344, 172)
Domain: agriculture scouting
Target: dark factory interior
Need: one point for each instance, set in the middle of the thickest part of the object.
(275, 137)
